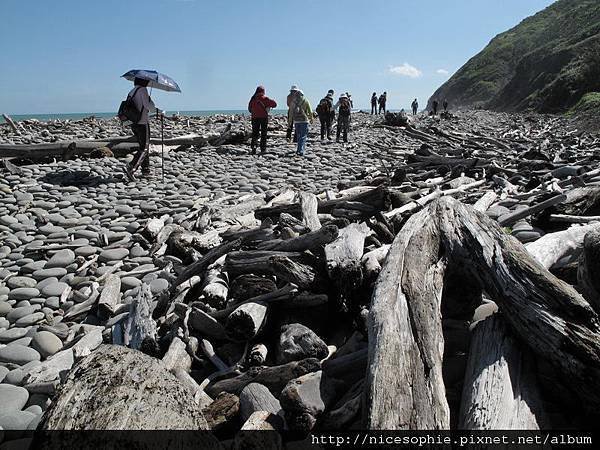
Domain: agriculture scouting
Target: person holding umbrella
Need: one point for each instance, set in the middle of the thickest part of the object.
(139, 100)
(143, 103)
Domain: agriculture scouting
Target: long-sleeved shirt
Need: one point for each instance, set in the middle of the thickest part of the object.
(300, 111)
(142, 102)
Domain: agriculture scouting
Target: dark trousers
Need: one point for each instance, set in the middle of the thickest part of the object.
(325, 126)
(382, 106)
(414, 111)
(373, 108)
(342, 127)
(142, 157)
(259, 125)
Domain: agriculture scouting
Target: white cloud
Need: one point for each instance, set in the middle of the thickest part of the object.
(442, 71)
(406, 70)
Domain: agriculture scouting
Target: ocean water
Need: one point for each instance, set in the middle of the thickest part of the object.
(108, 115)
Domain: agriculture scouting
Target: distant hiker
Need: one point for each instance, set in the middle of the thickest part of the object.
(415, 106)
(344, 111)
(445, 105)
(259, 106)
(290, 96)
(435, 105)
(382, 100)
(374, 103)
(326, 114)
(141, 129)
(350, 99)
(299, 115)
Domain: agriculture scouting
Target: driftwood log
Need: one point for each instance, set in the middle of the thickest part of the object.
(405, 330)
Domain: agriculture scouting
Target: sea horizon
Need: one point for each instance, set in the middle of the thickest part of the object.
(107, 115)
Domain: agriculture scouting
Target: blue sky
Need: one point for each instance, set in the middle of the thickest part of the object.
(67, 55)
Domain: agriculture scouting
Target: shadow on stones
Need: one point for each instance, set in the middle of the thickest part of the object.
(74, 178)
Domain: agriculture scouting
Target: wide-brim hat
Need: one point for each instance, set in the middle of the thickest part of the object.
(294, 88)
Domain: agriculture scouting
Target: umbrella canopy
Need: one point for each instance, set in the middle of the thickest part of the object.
(155, 79)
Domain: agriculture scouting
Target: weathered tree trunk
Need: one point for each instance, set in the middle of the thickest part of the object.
(308, 211)
(256, 397)
(140, 325)
(314, 240)
(404, 384)
(500, 388)
(344, 258)
(116, 388)
(588, 273)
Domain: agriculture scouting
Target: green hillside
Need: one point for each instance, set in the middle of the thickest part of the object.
(546, 63)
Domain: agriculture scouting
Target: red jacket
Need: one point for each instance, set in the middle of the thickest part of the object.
(258, 105)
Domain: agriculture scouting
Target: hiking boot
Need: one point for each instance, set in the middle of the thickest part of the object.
(129, 173)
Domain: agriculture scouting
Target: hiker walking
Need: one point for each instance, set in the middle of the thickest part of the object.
(259, 106)
(445, 105)
(374, 103)
(415, 107)
(299, 116)
(141, 129)
(382, 100)
(326, 114)
(434, 105)
(290, 96)
(344, 111)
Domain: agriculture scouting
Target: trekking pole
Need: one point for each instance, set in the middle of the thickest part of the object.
(162, 144)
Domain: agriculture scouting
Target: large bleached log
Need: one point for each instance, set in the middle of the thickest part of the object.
(554, 248)
(256, 397)
(308, 211)
(588, 273)
(116, 388)
(110, 296)
(500, 388)
(404, 383)
(140, 325)
(343, 257)
(246, 321)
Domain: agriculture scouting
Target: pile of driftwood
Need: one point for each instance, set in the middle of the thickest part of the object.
(32, 140)
(406, 300)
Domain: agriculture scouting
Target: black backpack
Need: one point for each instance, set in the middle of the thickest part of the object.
(345, 108)
(324, 107)
(128, 111)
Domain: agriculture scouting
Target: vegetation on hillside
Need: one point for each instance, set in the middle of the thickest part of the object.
(546, 63)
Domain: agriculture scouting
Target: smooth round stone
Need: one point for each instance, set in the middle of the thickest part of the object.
(13, 398)
(37, 301)
(5, 308)
(114, 254)
(24, 293)
(159, 285)
(54, 289)
(50, 229)
(18, 354)
(4, 323)
(31, 319)
(137, 251)
(22, 311)
(15, 422)
(23, 341)
(46, 282)
(3, 372)
(129, 283)
(12, 334)
(46, 343)
(20, 282)
(52, 302)
(4, 290)
(57, 272)
(32, 267)
(86, 251)
(34, 409)
(61, 258)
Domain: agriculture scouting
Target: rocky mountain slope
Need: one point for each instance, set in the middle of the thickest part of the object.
(546, 63)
